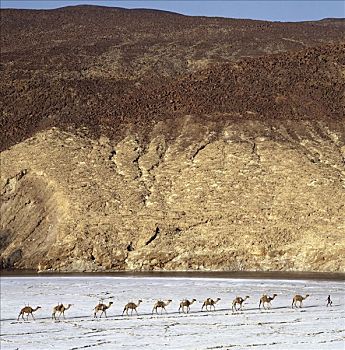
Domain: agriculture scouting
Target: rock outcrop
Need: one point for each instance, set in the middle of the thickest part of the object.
(253, 196)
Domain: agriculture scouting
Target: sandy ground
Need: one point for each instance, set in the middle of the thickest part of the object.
(313, 327)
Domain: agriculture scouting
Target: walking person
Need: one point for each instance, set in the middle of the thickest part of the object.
(329, 301)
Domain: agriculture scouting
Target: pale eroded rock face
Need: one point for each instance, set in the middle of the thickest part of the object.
(237, 196)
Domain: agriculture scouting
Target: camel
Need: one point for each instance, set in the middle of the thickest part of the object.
(209, 302)
(60, 308)
(27, 310)
(185, 303)
(298, 298)
(240, 301)
(131, 306)
(162, 305)
(265, 299)
(103, 308)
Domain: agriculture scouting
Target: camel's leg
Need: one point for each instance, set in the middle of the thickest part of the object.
(136, 311)
(19, 316)
(165, 310)
(105, 313)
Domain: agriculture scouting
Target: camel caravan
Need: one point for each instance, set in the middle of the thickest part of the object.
(184, 306)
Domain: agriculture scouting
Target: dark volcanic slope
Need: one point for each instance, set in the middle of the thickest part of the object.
(102, 66)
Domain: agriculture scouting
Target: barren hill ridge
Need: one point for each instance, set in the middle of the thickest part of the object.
(148, 140)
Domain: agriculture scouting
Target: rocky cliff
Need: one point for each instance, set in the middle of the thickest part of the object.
(143, 140)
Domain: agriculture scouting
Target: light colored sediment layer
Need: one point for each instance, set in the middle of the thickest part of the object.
(237, 196)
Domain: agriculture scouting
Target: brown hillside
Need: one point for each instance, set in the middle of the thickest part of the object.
(99, 66)
(203, 143)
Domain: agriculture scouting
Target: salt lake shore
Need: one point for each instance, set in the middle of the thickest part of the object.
(281, 327)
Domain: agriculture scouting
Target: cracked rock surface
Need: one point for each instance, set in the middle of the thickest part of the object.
(258, 196)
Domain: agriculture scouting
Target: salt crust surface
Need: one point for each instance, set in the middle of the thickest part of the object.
(313, 327)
